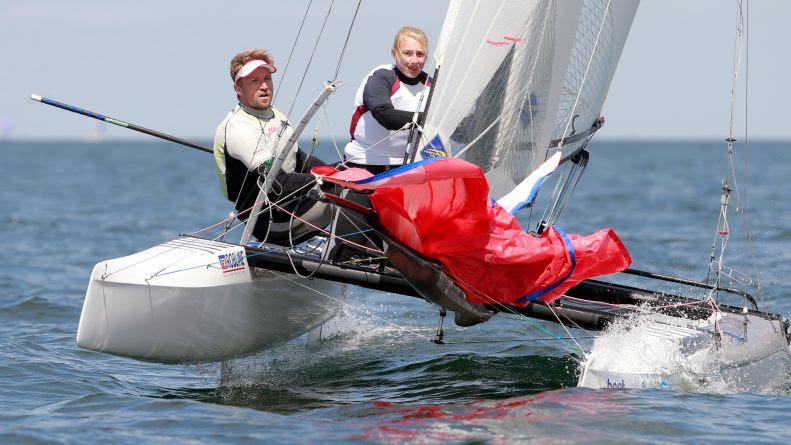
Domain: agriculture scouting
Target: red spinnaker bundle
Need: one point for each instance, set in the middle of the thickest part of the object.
(441, 208)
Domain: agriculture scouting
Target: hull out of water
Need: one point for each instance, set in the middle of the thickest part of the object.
(191, 300)
(669, 352)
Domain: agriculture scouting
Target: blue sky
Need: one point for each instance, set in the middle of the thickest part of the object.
(164, 65)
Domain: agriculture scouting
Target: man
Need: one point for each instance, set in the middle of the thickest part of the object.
(246, 143)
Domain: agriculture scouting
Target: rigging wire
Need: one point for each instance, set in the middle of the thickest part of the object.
(345, 304)
(568, 348)
(573, 172)
(346, 42)
(529, 84)
(722, 232)
(560, 322)
(748, 237)
(310, 60)
(332, 135)
(304, 75)
(471, 288)
(279, 83)
(511, 340)
(296, 39)
(584, 77)
(505, 309)
(737, 60)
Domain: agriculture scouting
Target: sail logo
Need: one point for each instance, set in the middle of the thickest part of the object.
(434, 149)
(231, 262)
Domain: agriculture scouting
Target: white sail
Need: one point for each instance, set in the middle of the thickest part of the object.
(516, 75)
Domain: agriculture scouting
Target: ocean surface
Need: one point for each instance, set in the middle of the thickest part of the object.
(65, 206)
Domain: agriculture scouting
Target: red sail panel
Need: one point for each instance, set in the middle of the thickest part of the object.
(441, 209)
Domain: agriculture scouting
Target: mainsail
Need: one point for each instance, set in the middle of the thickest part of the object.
(517, 77)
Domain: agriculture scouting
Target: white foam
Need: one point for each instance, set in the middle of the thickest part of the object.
(632, 346)
(350, 334)
(666, 357)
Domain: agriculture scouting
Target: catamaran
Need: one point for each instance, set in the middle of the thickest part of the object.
(526, 113)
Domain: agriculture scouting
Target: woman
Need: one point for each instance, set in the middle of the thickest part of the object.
(386, 102)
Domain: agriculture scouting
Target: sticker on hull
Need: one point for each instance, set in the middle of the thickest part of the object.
(232, 262)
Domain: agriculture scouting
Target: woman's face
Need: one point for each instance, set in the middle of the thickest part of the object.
(410, 57)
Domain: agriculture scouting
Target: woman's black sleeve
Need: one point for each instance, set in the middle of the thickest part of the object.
(376, 98)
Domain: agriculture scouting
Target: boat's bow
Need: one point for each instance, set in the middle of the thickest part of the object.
(194, 300)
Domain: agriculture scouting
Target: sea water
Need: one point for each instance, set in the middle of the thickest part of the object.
(379, 378)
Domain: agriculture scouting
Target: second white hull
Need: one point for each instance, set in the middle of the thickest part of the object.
(665, 352)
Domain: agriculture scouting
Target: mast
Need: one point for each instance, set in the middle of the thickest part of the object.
(414, 133)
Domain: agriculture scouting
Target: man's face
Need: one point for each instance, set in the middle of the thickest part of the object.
(410, 56)
(255, 90)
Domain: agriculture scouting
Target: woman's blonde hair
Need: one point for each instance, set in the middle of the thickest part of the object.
(411, 31)
(245, 56)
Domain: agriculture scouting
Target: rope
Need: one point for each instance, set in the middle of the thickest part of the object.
(294, 267)
(221, 222)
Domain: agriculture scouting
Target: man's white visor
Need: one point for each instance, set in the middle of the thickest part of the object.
(251, 66)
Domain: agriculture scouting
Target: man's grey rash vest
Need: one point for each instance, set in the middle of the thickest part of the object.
(385, 102)
(243, 141)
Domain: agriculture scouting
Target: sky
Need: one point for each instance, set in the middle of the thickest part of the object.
(164, 65)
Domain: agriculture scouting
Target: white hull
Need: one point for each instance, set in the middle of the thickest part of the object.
(191, 300)
(667, 352)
